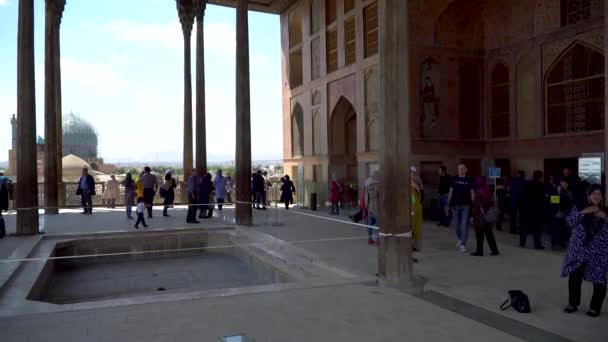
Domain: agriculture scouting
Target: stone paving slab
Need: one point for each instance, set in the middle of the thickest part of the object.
(346, 313)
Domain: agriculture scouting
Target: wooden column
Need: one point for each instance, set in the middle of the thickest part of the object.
(51, 131)
(186, 12)
(27, 178)
(201, 134)
(243, 121)
(395, 259)
(605, 97)
(58, 108)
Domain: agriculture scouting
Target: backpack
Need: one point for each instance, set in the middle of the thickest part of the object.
(519, 301)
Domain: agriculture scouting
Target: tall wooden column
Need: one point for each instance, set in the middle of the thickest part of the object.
(243, 121)
(186, 12)
(395, 259)
(201, 134)
(54, 8)
(27, 178)
(606, 97)
(58, 108)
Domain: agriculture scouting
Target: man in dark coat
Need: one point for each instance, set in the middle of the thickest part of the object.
(533, 211)
(516, 192)
(259, 185)
(86, 190)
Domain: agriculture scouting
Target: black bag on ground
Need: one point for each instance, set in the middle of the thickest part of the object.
(518, 300)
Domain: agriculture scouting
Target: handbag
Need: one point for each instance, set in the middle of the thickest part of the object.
(518, 300)
(357, 217)
(491, 215)
(162, 192)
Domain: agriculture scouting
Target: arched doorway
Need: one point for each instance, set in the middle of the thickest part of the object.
(343, 146)
(297, 131)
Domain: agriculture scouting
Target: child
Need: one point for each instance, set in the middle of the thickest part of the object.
(141, 208)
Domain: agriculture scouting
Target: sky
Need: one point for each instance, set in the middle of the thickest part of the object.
(122, 70)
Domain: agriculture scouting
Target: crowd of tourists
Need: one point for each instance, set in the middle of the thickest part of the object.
(571, 210)
(204, 192)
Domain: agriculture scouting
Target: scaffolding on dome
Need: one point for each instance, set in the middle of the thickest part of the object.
(79, 137)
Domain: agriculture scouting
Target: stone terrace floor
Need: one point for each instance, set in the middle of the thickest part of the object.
(461, 297)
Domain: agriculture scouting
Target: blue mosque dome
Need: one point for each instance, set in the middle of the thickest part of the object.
(79, 137)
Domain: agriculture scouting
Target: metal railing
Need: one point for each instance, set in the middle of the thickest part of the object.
(69, 199)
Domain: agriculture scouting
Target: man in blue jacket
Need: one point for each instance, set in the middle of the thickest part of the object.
(86, 190)
(516, 192)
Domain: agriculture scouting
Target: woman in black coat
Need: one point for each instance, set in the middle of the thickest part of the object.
(204, 199)
(169, 191)
(287, 191)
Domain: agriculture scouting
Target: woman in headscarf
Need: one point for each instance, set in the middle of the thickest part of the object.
(111, 192)
(129, 186)
(204, 196)
(482, 202)
(169, 191)
(287, 191)
(372, 202)
(587, 257)
(417, 219)
(334, 196)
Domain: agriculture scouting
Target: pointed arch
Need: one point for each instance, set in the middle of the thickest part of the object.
(500, 98)
(297, 131)
(343, 140)
(574, 91)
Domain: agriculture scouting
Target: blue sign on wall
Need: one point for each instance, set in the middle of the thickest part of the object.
(494, 172)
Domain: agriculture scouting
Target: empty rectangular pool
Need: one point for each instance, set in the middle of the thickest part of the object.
(141, 264)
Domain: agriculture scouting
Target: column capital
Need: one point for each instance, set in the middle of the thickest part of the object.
(200, 11)
(187, 11)
(56, 7)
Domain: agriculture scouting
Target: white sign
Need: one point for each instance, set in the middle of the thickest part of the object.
(590, 170)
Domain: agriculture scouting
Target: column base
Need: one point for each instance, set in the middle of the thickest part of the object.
(395, 268)
(27, 222)
(243, 214)
(51, 211)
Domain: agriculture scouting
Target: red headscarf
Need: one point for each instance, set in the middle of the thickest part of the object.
(482, 189)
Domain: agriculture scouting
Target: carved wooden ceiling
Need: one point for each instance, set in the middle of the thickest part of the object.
(267, 6)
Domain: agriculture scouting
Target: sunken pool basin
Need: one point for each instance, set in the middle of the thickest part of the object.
(142, 263)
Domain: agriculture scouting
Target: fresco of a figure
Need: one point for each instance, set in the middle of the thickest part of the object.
(429, 96)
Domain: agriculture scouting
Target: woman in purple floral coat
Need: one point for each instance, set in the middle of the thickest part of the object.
(587, 257)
